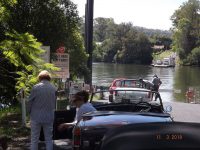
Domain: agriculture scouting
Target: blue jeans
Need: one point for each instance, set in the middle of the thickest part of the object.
(35, 133)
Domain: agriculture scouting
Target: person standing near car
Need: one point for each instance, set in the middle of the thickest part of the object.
(41, 106)
(156, 84)
(80, 100)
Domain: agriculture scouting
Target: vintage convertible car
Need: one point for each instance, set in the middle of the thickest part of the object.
(124, 106)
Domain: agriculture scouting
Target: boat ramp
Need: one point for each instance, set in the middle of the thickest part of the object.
(184, 112)
(165, 62)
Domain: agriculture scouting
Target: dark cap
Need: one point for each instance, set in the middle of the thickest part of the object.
(81, 96)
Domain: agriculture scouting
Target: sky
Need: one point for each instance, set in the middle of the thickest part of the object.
(152, 14)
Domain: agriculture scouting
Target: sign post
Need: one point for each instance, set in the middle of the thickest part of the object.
(46, 55)
(61, 60)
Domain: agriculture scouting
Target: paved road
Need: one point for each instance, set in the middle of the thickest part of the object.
(184, 112)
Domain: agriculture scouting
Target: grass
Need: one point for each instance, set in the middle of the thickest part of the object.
(162, 55)
(11, 127)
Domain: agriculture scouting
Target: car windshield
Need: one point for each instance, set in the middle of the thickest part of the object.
(118, 83)
(131, 83)
(126, 95)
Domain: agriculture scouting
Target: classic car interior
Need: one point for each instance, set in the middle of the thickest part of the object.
(128, 100)
(102, 102)
(127, 107)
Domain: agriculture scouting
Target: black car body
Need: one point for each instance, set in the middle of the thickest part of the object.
(89, 132)
(153, 136)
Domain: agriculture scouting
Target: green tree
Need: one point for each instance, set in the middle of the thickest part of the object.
(161, 40)
(110, 47)
(186, 22)
(4, 12)
(4, 15)
(194, 57)
(103, 28)
(7, 80)
(134, 47)
(144, 49)
(50, 21)
(123, 45)
(7, 70)
(78, 56)
(54, 23)
(23, 52)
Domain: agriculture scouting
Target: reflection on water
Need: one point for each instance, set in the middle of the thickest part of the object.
(175, 81)
(187, 77)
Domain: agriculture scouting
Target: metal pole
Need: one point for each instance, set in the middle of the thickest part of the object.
(85, 40)
(89, 38)
(23, 108)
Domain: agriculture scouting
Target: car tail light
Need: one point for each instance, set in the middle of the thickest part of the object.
(76, 138)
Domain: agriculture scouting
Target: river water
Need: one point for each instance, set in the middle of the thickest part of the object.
(175, 81)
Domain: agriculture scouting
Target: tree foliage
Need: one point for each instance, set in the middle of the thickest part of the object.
(186, 37)
(21, 49)
(103, 28)
(161, 40)
(22, 25)
(54, 23)
(194, 56)
(22, 52)
(120, 43)
(4, 12)
(7, 70)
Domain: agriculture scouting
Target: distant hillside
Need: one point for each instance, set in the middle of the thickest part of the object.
(152, 32)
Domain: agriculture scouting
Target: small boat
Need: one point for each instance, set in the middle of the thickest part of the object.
(162, 65)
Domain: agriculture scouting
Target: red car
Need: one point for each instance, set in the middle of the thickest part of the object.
(116, 83)
(135, 83)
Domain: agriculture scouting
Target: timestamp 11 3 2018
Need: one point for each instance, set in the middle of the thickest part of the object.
(174, 137)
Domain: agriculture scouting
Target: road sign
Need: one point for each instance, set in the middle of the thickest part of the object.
(61, 50)
(46, 55)
(61, 60)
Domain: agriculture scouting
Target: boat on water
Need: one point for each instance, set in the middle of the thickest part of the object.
(166, 62)
(163, 66)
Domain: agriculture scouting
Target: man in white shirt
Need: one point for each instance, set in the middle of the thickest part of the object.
(83, 106)
(41, 106)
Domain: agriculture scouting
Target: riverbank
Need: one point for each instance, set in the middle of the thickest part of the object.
(163, 54)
